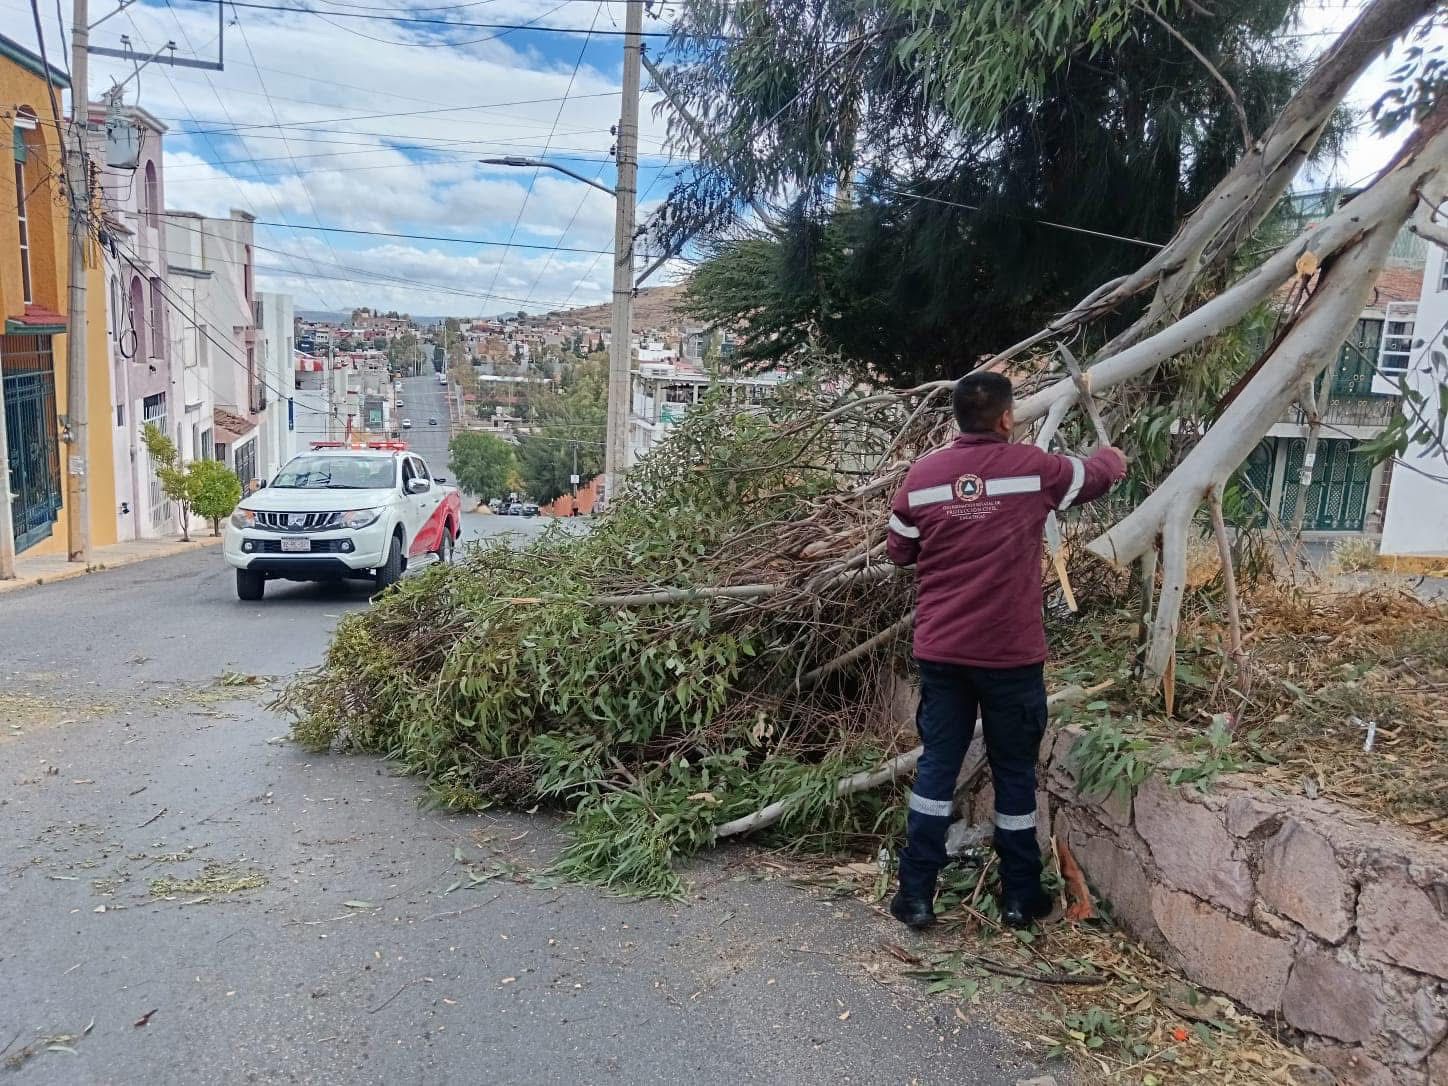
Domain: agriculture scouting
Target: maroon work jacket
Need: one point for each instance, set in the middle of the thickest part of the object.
(970, 519)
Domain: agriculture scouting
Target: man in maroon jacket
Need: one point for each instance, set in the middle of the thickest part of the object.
(970, 519)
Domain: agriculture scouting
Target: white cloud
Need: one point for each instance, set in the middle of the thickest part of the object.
(414, 170)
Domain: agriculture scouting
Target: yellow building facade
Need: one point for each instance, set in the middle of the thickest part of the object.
(34, 286)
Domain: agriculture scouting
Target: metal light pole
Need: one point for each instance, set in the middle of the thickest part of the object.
(77, 175)
(544, 164)
(620, 353)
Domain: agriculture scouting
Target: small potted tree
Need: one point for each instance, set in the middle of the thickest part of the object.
(214, 491)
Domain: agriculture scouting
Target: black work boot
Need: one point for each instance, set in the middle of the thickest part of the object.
(912, 911)
(1023, 910)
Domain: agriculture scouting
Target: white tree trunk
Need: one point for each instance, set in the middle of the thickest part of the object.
(1343, 288)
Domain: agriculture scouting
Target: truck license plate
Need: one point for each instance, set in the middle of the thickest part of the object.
(291, 545)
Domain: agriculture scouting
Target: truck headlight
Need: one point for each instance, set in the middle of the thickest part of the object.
(360, 518)
(243, 518)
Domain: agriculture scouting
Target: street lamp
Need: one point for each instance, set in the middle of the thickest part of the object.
(543, 164)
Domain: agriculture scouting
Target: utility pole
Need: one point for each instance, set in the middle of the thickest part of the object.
(620, 355)
(7, 524)
(331, 365)
(573, 478)
(78, 177)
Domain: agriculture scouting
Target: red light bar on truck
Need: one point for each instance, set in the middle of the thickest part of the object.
(392, 446)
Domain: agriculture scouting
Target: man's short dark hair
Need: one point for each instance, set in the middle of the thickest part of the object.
(980, 400)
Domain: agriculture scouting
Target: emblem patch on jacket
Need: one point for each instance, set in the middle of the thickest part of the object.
(969, 488)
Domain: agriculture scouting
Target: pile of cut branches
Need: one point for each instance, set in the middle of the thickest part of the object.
(659, 676)
(723, 653)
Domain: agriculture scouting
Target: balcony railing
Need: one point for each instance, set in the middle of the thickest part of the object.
(1350, 411)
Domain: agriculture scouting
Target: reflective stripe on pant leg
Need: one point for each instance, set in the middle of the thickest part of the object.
(1013, 711)
(946, 721)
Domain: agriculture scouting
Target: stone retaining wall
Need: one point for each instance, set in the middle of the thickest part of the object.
(1306, 911)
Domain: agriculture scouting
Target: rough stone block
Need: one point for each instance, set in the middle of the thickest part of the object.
(1328, 996)
(1247, 814)
(1401, 922)
(1416, 1016)
(1192, 848)
(1301, 880)
(1118, 876)
(1222, 952)
(1354, 1067)
(1438, 1066)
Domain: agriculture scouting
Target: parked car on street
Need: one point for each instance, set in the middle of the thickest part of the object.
(530, 509)
(340, 511)
(407, 424)
(513, 509)
(432, 422)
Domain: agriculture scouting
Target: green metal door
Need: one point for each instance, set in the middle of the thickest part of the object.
(1337, 500)
(34, 443)
(1251, 486)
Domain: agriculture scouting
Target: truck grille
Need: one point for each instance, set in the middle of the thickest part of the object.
(298, 522)
(319, 546)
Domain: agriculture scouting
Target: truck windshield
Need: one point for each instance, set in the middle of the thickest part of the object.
(336, 473)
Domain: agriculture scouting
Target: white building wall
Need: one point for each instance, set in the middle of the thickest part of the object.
(215, 256)
(275, 362)
(1416, 521)
(143, 369)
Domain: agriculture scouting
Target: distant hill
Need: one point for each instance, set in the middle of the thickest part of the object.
(654, 307)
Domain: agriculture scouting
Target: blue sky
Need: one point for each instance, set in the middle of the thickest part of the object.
(372, 124)
(291, 131)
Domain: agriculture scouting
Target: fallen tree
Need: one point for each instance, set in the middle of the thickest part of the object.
(725, 652)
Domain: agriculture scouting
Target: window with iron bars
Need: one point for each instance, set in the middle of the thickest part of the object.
(244, 464)
(1397, 346)
(153, 410)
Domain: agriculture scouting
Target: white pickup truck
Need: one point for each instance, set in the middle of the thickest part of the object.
(361, 510)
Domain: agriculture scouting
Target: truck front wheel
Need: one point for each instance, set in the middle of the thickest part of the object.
(250, 585)
(389, 572)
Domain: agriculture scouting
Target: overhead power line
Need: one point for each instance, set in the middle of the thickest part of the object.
(458, 23)
(1019, 218)
(537, 170)
(236, 183)
(409, 113)
(431, 237)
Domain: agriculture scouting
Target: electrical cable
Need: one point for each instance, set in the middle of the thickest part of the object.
(429, 237)
(426, 45)
(236, 183)
(406, 114)
(537, 170)
(380, 277)
(276, 200)
(1019, 218)
(461, 24)
(296, 170)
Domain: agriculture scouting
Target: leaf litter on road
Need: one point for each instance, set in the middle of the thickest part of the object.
(215, 878)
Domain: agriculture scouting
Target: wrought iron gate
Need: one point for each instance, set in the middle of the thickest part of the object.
(1337, 501)
(33, 432)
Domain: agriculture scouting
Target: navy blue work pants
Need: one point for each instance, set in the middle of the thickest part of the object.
(1012, 706)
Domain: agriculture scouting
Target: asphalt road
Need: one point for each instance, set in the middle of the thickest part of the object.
(188, 898)
(423, 398)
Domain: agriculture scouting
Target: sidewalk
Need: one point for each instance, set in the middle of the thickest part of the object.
(47, 568)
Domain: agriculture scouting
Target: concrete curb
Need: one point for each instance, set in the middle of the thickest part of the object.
(48, 570)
